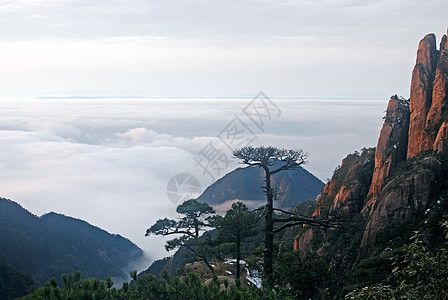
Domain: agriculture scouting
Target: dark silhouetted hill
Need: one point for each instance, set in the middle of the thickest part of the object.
(12, 283)
(53, 244)
(245, 184)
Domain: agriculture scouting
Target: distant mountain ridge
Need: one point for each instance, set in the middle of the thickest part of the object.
(245, 184)
(53, 244)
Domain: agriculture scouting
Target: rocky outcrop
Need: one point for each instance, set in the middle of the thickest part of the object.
(429, 97)
(329, 191)
(441, 142)
(392, 144)
(330, 188)
(303, 241)
(440, 98)
(396, 193)
(405, 195)
(346, 190)
(347, 199)
(421, 94)
(343, 195)
(402, 198)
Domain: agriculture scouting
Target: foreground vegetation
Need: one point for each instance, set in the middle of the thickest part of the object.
(416, 273)
(151, 287)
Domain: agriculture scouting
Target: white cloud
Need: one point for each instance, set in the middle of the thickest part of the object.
(139, 135)
(108, 161)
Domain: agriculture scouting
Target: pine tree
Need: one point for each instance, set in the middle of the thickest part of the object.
(272, 160)
(196, 217)
(235, 227)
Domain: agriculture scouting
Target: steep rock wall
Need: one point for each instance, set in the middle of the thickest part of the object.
(402, 198)
(395, 196)
(392, 143)
(428, 102)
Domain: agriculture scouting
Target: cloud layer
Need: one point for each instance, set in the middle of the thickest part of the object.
(108, 161)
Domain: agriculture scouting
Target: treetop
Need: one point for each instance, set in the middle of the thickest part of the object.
(267, 156)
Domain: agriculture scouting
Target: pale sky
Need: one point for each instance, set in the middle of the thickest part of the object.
(212, 48)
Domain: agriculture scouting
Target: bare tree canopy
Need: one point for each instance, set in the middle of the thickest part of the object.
(269, 156)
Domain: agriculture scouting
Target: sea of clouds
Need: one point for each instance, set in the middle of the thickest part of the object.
(108, 160)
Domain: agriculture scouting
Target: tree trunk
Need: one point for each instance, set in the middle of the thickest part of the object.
(268, 232)
(205, 260)
(238, 258)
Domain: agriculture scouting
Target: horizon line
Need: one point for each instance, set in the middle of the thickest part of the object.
(206, 97)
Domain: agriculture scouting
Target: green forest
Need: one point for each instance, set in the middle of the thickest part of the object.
(412, 271)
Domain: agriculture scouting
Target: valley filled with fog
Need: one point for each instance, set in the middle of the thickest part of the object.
(108, 160)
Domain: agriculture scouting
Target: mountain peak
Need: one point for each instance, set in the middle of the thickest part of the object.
(246, 184)
(407, 173)
(392, 144)
(429, 86)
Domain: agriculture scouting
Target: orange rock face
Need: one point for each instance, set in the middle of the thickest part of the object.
(428, 130)
(392, 144)
(343, 195)
(347, 199)
(303, 242)
(408, 129)
(328, 191)
(441, 143)
(401, 199)
(428, 101)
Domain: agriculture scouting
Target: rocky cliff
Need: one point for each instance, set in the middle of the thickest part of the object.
(407, 194)
(392, 144)
(409, 164)
(404, 197)
(427, 129)
(344, 195)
